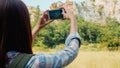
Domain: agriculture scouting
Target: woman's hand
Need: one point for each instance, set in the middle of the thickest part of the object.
(42, 22)
(67, 13)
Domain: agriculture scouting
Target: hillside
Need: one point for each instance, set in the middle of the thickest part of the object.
(94, 10)
(99, 10)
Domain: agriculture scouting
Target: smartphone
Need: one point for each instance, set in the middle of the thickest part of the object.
(55, 14)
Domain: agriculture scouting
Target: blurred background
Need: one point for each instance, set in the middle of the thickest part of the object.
(98, 25)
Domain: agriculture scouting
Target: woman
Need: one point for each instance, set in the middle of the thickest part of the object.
(16, 37)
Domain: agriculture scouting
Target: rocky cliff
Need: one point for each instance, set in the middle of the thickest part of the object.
(99, 10)
(94, 10)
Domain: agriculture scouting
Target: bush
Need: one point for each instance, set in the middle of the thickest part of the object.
(53, 34)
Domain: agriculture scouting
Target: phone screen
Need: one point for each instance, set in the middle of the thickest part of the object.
(55, 14)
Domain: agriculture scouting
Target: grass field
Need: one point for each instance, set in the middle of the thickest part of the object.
(102, 59)
(90, 59)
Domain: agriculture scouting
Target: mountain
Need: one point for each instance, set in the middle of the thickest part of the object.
(99, 10)
(94, 10)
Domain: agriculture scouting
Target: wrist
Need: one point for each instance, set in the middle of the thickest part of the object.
(73, 25)
(72, 18)
(37, 27)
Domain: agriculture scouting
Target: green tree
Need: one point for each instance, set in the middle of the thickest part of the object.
(53, 34)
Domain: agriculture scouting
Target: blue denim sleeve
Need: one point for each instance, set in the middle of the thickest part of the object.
(61, 58)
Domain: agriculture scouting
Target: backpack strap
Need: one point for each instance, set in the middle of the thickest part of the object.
(20, 60)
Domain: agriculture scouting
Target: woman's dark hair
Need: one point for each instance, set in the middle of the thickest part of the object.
(15, 29)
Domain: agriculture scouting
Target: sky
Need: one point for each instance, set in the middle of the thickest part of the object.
(44, 4)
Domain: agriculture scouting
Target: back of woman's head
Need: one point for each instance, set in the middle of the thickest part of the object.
(15, 30)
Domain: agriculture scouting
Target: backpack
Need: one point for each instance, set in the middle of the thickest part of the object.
(20, 60)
